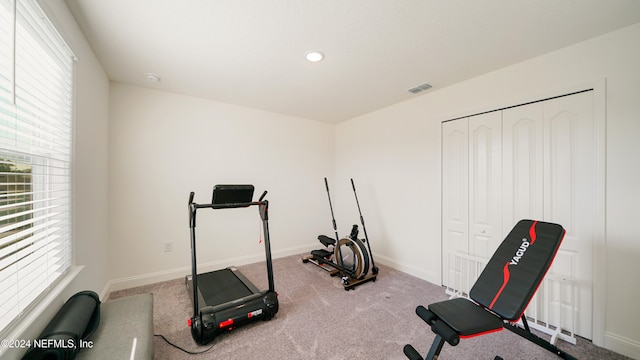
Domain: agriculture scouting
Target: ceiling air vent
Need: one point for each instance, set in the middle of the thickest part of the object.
(420, 88)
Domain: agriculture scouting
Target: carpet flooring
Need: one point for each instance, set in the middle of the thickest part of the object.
(318, 319)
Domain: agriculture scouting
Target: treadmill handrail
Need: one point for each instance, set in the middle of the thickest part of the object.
(228, 205)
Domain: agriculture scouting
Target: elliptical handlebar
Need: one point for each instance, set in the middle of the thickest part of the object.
(333, 219)
(335, 227)
(374, 268)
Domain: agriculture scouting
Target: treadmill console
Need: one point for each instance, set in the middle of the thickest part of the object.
(232, 194)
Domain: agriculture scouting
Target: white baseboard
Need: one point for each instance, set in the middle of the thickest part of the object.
(409, 269)
(176, 273)
(622, 345)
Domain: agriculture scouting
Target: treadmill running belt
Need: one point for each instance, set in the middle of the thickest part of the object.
(221, 286)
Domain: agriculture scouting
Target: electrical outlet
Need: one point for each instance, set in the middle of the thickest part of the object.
(168, 246)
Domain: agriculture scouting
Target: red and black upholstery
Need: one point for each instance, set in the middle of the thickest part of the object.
(501, 293)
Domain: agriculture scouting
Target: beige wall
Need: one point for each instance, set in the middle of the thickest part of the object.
(163, 145)
(139, 152)
(395, 152)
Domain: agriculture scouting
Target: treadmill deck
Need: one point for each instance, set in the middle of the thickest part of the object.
(218, 287)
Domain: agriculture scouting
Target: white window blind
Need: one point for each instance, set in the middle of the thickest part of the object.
(36, 90)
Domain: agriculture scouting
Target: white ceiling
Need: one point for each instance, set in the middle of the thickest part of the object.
(251, 52)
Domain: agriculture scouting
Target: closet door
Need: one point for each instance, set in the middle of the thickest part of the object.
(535, 161)
(455, 200)
(471, 183)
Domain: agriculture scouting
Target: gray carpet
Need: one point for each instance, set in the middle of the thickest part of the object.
(318, 319)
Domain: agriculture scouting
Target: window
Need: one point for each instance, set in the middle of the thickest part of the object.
(36, 91)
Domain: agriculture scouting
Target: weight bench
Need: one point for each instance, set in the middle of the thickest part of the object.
(501, 294)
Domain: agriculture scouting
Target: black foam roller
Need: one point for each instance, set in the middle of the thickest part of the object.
(60, 339)
(447, 333)
(425, 314)
(411, 353)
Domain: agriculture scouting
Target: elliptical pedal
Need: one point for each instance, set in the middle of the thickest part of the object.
(326, 241)
(321, 253)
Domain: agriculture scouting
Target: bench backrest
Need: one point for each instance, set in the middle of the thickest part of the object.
(516, 269)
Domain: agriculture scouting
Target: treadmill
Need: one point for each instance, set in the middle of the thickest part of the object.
(225, 299)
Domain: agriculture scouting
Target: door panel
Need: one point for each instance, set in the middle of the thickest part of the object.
(523, 153)
(455, 204)
(485, 183)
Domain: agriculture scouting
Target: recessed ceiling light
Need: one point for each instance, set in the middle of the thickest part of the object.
(152, 77)
(314, 56)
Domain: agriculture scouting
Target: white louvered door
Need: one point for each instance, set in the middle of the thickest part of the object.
(533, 161)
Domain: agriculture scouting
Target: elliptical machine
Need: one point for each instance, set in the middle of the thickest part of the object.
(348, 257)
